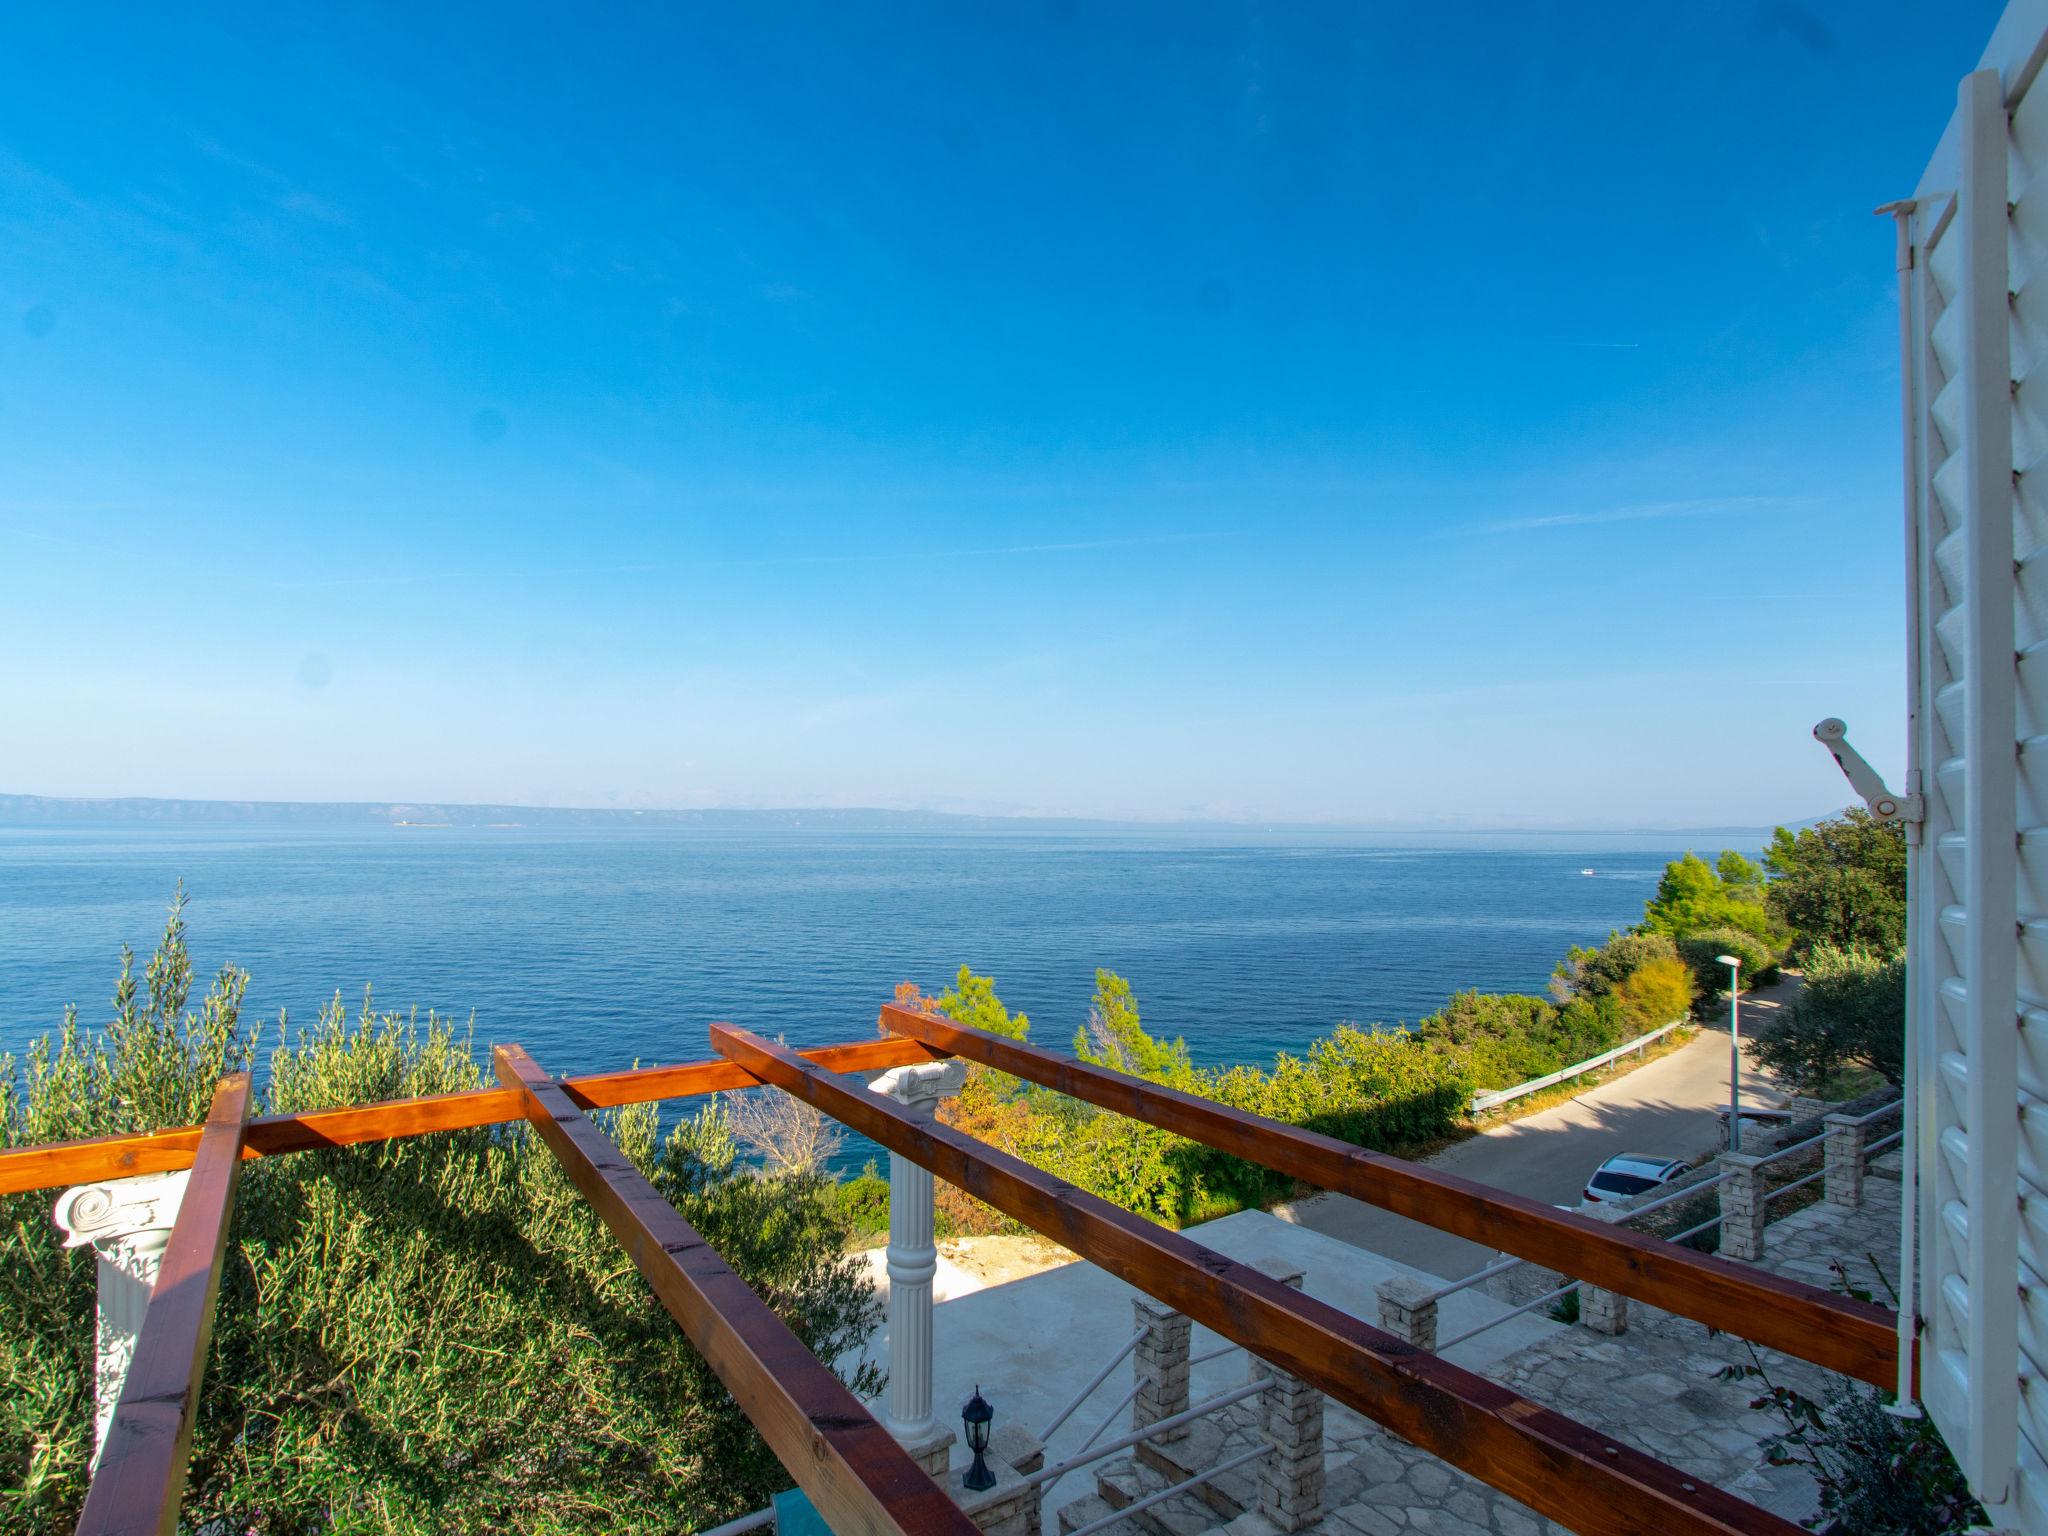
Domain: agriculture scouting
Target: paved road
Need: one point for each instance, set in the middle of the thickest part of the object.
(1666, 1107)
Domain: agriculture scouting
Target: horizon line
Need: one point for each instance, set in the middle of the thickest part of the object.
(10, 801)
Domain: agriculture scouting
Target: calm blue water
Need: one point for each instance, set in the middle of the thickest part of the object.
(597, 948)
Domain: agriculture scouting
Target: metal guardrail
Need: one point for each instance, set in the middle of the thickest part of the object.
(1477, 1277)
(1502, 1266)
(1184, 1486)
(1482, 1102)
(1074, 1463)
(1115, 1360)
(1495, 1322)
(1110, 1417)
(753, 1522)
(1786, 1189)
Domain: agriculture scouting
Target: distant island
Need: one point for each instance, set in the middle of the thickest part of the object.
(55, 810)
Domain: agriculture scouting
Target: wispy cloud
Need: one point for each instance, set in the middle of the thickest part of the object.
(1648, 511)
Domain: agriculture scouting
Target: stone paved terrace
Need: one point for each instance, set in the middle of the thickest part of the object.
(1653, 1387)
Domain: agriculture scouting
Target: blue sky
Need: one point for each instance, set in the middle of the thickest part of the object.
(1449, 415)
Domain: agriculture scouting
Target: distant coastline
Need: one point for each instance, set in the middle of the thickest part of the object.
(56, 810)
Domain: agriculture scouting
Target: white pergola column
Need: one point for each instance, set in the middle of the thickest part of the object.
(128, 1222)
(913, 1261)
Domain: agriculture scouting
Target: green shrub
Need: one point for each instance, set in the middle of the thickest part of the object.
(1702, 951)
(427, 1335)
(1659, 993)
(863, 1203)
(1593, 973)
(1507, 1038)
(1851, 1013)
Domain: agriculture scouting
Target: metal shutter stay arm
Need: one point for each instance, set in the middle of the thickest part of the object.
(1910, 809)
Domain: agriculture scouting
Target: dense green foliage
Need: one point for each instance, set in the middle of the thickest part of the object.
(1851, 1014)
(1508, 1038)
(1840, 882)
(1600, 997)
(1387, 1089)
(1593, 973)
(428, 1335)
(1382, 1089)
(1702, 952)
(1694, 896)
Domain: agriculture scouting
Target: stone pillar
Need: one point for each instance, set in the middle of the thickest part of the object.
(913, 1261)
(1290, 1417)
(1161, 1366)
(1408, 1311)
(1844, 1152)
(128, 1222)
(1742, 1207)
(1601, 1310)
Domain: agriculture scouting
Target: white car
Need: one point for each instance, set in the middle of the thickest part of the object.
(1630, 1174)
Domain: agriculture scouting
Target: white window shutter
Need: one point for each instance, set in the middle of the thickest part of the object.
(1977, 322)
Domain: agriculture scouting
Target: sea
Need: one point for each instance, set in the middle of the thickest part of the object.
(599, 949)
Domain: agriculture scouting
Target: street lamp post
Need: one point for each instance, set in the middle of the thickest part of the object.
(1734, 1050)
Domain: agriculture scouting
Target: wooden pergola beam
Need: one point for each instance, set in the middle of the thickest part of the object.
(1551, 1463)
(856, 1474)
(141, 1477)
(1853, 1337)
(53, 1164)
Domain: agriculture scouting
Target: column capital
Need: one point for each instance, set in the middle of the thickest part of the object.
(922, 1084)
(105, 1213)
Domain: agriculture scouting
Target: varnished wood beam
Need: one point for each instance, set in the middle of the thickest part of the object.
(1853, 1337)
(860, 1479)
(1582, 1479)
(51, 1164)
(141, 1476)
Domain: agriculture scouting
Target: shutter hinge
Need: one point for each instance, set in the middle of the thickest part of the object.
(1909, 809)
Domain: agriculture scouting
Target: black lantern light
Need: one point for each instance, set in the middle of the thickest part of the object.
(977, 1415)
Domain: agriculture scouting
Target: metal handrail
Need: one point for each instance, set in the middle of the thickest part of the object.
(1185, 1416)
(1109, 1418)
(1160, 1495)
(753, 1522)
(1215, 1354)
(1673, 1198)
(1786, 1189)
(1797, 1146)
(1115, 1360)
(1494, 1322)
(1679, 1237)
(1880, 1145)
(1497, 1267)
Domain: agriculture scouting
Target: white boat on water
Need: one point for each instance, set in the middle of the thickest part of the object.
(1585, 871)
